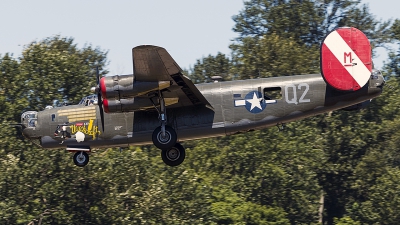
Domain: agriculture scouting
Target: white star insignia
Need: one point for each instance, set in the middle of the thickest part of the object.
(255, 102)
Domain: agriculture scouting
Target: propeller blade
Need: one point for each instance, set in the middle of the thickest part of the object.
(99, 98)
(98, 75)
(100, 102)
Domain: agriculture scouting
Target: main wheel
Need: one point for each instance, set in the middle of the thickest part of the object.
(81, 159)
(166, 142)
(173, 156)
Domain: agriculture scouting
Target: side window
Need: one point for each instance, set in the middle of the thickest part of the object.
(273, 93)
(53, 117)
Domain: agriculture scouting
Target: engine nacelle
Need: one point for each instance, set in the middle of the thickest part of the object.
(125, 87)
(133, 104)
(126, 105)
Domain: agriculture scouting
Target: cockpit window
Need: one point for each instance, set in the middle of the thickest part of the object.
(29, 114)
(89, 100)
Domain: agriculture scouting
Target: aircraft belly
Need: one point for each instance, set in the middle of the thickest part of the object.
(189, 122)
(51, 143)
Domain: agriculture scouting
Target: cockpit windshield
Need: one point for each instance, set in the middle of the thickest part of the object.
(89, 100)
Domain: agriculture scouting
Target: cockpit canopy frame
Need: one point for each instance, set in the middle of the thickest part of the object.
(89, 100)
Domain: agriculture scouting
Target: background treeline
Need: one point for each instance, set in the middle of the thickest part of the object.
(336, 168)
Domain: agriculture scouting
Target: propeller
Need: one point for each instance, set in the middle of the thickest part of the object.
(99, 99)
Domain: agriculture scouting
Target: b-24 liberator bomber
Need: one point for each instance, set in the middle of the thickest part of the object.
(157, 104)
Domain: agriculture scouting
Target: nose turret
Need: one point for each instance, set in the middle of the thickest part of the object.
(29, 119)
(29, 123)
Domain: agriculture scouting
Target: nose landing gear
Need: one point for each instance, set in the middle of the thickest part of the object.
(81, 159)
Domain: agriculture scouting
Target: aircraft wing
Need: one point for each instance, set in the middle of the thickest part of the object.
(153, 63)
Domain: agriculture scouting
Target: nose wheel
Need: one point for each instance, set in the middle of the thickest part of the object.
(81, 159)
(173, 156)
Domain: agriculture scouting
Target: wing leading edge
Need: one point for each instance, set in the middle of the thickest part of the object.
(153, 63)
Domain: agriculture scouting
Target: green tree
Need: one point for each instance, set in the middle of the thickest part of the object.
(382, 203)
(60, 69)
(350, 160)
(296, 19)
(207, 67)
(272, 33)
(306, 21)
(271, 56)
(34, 184)
(12, 94)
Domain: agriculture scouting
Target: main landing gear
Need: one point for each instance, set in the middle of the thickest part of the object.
(173, 156)
(165, 138)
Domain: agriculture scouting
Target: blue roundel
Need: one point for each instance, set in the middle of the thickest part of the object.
(255, 102)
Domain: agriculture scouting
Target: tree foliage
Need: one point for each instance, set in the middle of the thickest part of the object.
(271, 56)
(61, 69)
(205, 69)
(338, 168)
(307, 21)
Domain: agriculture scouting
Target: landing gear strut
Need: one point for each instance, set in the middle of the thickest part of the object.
(81, 159)
(164, 137)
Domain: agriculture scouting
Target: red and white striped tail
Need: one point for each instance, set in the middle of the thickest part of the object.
(346, 59)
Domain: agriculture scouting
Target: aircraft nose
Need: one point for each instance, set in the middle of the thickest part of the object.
(25, 132)
(28, 133)
(28, 123)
